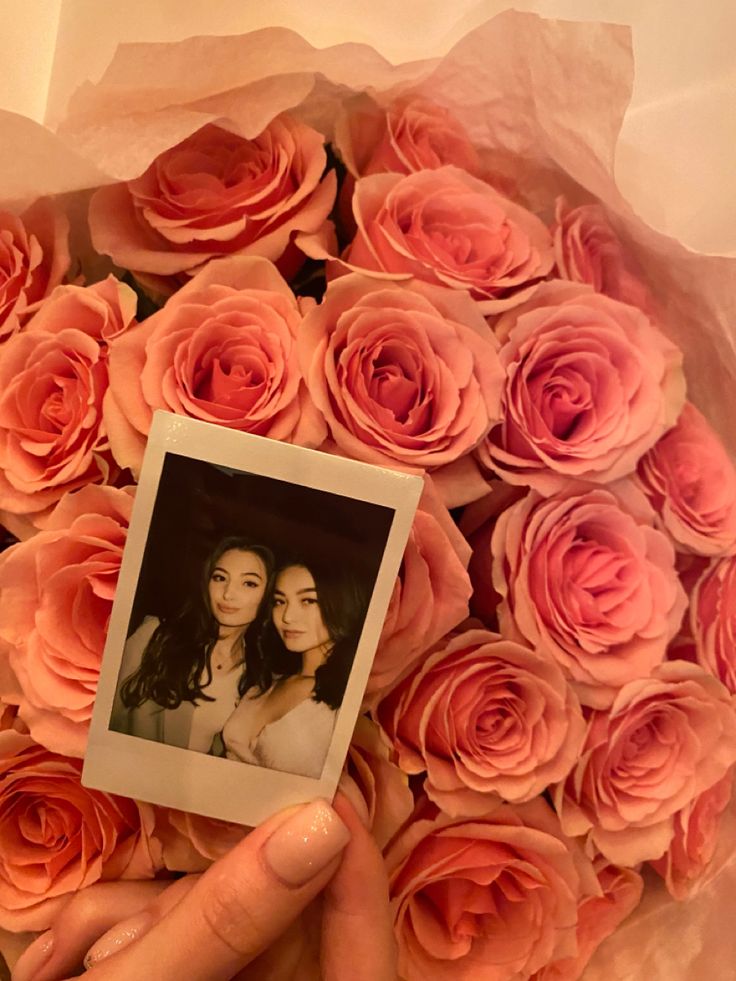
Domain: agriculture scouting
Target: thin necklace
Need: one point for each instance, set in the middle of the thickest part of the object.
(220, 664)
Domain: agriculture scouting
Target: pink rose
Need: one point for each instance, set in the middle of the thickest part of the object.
(34, 258)
(591, 386)
(52, 383)
(430, 595)
(599, 915)
(56, 593)
(104, 310)
(216, 194)
(588, 581)
(664, 741)
(57, 837)
(691, 481)
(192, 842)
(448, 228)
(222, 349)
(410, 134)
(493, 898)
(371, 778)
(713, 620)
(686, 862)
(405, 376)
(587, 250)
(486, 719)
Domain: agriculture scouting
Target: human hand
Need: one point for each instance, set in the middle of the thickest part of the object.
(210, 927)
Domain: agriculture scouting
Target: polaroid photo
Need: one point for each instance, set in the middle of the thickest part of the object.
(253, 589)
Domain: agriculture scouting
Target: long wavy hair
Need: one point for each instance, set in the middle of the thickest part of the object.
(343, 601)
(175, 666)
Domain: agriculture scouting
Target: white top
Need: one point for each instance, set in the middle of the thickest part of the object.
(296, 743)
(208, 718)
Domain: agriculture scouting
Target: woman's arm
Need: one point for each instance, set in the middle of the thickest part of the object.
(133, 652)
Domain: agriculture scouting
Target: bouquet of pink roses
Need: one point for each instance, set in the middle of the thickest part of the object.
(428, 268)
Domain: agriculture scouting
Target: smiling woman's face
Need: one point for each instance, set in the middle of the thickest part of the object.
(236, 588)
(296, 611)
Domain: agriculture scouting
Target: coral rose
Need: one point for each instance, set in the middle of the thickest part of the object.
(587, 250)
(588, 581)
(686, 862)
(664, 741)
(56, 593)
(104, 310)
(222, 349)
(599, 915)
(412, 133)
(486, 719)
(34, 257)
(429, 598)
(592, 385)
(53, 378)
(691, 481)
(381, 786)
(403, 375)
(192, 842)
(215, 194)
(713, 620)
(57, 837)
(447, 228)
(492, 898)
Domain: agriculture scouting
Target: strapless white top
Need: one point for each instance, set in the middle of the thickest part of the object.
(296, 743)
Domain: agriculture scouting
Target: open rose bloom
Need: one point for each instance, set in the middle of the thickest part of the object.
(58, 837)
(430, 268)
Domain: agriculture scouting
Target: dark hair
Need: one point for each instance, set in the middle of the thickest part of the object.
(343, 602)
(175, 667)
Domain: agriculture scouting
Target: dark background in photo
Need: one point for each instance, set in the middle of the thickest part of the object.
(199, 503)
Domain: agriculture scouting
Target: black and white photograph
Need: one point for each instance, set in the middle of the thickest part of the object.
(253, 589)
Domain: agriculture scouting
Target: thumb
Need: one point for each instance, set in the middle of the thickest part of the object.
(242, 904)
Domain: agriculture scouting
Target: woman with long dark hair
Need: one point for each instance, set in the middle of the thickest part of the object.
(295, 677)
(182, 676)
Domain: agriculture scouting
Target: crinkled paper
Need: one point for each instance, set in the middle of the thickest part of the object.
(544, 100)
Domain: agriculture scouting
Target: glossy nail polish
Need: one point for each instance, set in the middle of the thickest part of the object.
(305, 843)
(119, 937)
(34, 958)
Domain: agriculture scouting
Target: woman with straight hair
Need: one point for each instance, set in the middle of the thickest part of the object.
(181, 676)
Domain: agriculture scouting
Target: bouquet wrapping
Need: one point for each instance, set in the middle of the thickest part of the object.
(425, 266)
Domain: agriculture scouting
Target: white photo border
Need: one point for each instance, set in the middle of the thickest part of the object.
(212, 786)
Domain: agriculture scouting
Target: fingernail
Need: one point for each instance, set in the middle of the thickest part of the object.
(348, 789)
(305, 843)
(116, 939)
(34, 957)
